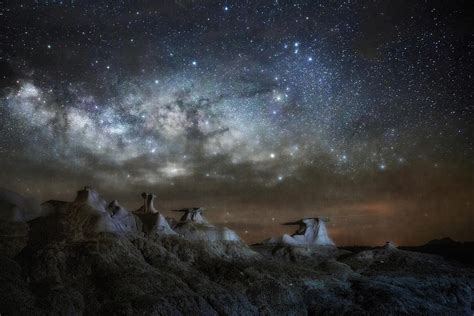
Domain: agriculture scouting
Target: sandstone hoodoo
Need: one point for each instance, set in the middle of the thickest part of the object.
(87, 216)
(193, 214)
(311, 232)
(154, 223)
(92, 198)
(194, 226)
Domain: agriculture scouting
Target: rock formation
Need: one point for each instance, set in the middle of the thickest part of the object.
(17, 208)
(87, 258)
(154, 223)
(92, 198)
(194, 226)
(87, 216)
(15, 212)
(311, 232)
(389, 245)
(148, 204)
(193, 214)
(126, 220)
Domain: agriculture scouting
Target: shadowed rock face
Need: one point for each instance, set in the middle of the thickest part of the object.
(15, 212)
(60, 271)
(17, 208)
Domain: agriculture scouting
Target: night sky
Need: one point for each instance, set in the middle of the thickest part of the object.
(260, 111)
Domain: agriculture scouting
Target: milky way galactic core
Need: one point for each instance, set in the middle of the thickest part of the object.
(264, 111)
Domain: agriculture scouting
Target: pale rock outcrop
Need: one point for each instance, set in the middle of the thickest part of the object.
(194, 226)
(91, 216)
(153, 221)
(193, 214)
(92, 198)
(112, 274)
(311, 232)
(124, 218)
(88, 216)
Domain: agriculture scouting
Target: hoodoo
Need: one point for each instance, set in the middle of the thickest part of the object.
(80, 257)
(153, 221)
(87, 216)
(193, 214)
(311, 232)
(148, 204)
(194, 226)
(91, 197)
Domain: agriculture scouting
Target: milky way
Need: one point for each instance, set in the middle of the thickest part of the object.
(261, 111)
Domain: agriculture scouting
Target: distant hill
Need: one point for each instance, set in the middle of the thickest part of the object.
(448, 248)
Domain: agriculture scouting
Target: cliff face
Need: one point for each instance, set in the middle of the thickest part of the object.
(56, 271)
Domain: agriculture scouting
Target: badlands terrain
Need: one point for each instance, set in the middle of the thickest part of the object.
(92, 257)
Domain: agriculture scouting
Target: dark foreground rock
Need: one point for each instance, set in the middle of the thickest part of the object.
(130, 275)
(61, 263)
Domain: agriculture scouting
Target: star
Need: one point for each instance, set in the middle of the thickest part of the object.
(203, 102)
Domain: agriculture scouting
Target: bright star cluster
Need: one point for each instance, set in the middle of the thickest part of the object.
(263, 110)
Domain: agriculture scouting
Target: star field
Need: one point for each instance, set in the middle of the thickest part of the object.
(261, 110)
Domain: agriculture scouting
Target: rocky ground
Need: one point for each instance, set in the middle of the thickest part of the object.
(47, 270)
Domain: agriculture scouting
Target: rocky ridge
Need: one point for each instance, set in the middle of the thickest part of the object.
(90, 257)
